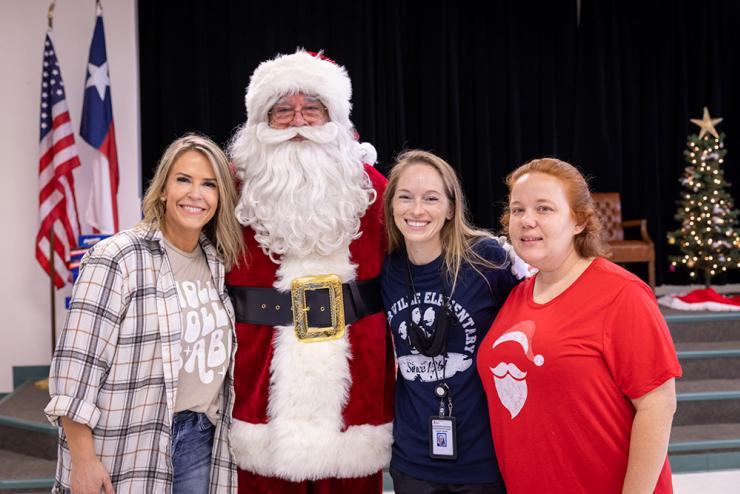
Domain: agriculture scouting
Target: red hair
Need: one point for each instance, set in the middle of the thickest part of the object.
(589, 242)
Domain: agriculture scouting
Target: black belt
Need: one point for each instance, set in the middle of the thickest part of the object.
(267, 306)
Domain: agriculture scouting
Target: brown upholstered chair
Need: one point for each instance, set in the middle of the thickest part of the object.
(609, 207)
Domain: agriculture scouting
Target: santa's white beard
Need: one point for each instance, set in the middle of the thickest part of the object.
(511, 387)
(301, 197)
(512, 393)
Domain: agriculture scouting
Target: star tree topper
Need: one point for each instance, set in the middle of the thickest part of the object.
(707, 124)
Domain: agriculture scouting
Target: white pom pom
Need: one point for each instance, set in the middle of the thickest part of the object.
(370, 155)
(539, 360)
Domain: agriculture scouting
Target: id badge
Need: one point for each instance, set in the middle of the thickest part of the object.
(442, 438)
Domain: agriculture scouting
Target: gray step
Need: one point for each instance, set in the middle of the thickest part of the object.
(23, 425)
(707, 401)
(706, 437)
(709, 360)
(26, 403)
(686, 326)
(705, 447)
(27, 474)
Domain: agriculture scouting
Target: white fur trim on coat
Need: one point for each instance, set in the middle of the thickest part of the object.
(299, 72)
(305, 437)
(359, 451)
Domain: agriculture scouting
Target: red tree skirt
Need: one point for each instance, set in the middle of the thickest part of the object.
(703, 299)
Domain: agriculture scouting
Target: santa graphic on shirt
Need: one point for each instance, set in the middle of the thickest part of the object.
(510, 380)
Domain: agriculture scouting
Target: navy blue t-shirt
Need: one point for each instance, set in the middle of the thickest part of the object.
(474, 303)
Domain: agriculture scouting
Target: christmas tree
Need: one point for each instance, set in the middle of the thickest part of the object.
(708, 238)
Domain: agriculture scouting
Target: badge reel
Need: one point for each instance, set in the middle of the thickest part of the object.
(442, 428)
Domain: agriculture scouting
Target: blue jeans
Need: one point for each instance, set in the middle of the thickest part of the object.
(192, 442)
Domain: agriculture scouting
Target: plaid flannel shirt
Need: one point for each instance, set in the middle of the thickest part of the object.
(114, 367)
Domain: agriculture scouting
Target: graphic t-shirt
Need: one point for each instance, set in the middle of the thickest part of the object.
(474, 304)
(560, 376)
(205, 345)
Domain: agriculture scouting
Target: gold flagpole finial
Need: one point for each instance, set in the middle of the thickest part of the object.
(50, 15)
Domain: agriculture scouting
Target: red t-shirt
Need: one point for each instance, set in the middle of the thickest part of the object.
(559, 378)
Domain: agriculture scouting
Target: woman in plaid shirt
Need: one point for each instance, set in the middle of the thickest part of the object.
(141, 379)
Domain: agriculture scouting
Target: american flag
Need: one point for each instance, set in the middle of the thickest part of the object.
(58, 157)
(97, 130)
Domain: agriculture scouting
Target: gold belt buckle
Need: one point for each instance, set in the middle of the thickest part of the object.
(299, 287)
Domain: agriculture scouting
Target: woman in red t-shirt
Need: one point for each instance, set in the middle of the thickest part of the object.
(579, 367)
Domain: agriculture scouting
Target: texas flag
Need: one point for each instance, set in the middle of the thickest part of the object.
(98, 131)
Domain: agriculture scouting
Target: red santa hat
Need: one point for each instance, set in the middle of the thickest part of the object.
(522, 333)
(305, 72)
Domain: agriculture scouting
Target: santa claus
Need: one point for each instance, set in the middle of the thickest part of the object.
(314, 368)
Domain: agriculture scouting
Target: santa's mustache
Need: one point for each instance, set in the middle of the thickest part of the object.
(502, 369)
(320, 134)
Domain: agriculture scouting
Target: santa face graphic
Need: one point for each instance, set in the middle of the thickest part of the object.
(510, 380)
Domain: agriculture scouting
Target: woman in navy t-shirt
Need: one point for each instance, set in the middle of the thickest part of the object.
(442, 285)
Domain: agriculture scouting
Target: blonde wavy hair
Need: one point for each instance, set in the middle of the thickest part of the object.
(458, 235)
(223, 231)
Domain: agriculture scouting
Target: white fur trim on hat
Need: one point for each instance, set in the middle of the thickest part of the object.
(299, 72)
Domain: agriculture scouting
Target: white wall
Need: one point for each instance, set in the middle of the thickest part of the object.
(25, 309)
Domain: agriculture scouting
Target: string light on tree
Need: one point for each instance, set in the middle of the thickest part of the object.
(708, 237)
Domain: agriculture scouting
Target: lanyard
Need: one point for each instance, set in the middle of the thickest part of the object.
(435, 344)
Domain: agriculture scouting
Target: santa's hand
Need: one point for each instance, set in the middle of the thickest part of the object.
(519, 268)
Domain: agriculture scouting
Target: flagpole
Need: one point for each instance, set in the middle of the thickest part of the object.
(53, 294)
(51, 237)
(43, 384)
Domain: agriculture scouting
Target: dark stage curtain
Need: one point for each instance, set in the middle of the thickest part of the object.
(487, 86)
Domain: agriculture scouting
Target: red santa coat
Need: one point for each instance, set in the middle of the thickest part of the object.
(306, 411)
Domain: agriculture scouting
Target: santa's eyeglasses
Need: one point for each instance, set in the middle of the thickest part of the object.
(311, 112)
